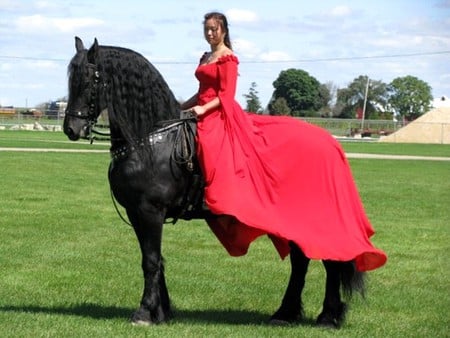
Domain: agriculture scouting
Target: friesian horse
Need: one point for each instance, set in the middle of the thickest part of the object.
(153, 173)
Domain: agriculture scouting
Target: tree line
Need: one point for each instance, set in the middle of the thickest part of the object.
(297, 93)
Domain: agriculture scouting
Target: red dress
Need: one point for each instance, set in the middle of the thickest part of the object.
(278, 176)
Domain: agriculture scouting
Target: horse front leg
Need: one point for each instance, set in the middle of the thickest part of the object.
(291, 308)
(155, 303)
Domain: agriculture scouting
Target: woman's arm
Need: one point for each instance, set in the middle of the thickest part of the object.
(200, 110)
(227, 68)
(189, 103)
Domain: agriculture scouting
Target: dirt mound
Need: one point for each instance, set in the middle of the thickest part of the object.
(431, 127)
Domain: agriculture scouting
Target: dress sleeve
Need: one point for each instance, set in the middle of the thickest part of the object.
(227, 68)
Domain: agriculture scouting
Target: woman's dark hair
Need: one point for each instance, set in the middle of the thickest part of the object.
(222, 19)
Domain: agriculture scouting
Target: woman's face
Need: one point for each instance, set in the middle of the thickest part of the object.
(213, 31)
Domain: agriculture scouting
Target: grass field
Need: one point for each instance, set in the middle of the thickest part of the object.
(71, 268)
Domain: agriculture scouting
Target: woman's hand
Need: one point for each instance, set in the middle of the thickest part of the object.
(198, 110)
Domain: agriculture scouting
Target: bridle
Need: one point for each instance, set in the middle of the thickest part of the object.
(91, 114)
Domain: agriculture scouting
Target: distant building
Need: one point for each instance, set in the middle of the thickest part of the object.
(7, 110)
(56, 109)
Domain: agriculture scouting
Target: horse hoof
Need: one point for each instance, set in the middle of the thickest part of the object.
(279, 322)
(327, 322)
(332, 318)
(283, 317)
(141, 318)
(140, 323)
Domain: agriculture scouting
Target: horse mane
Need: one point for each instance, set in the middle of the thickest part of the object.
(135, 93)
(140, 97)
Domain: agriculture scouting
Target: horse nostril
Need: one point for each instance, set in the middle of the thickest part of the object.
(71, 134)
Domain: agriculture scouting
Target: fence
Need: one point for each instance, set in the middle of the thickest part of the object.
(28, 122)
(355, 127)
(20, 121)
(337, 127)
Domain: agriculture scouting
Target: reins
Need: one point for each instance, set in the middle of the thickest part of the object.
(127, 222)
(105, 136)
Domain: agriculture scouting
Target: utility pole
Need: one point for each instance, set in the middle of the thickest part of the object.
(364, 107)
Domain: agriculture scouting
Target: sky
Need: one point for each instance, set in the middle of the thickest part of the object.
(333, 40)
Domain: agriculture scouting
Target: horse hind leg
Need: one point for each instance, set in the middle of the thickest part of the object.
(339, 274)
(291, 308)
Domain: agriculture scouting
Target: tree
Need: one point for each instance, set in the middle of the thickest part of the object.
(300, 90)
(280, 107)
(325, 97)
(410, 97)
(351, 98)
(253, 102)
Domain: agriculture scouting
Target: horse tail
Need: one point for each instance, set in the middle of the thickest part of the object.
(352, 280)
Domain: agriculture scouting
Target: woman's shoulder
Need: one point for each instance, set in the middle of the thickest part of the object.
(228, 57)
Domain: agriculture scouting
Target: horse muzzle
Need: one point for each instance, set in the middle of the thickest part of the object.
(76, 131)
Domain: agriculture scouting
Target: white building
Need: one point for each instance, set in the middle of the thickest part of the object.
(441, 102)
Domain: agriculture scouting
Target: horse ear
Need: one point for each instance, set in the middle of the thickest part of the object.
(93, 52)
(79, 46)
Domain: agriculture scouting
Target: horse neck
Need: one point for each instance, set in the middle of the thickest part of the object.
(148, 99)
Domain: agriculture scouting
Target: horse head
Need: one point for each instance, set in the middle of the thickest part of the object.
(86, 98)
(124, 83)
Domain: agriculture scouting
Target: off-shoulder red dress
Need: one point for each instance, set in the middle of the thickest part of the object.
(278, 176)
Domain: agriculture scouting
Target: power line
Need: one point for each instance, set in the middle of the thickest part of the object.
(350, 58)
(30, 58)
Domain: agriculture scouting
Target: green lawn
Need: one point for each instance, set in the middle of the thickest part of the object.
(71, 268)
(41, 139)
(397, 148)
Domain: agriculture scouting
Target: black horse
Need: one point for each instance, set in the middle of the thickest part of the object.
(154, 176)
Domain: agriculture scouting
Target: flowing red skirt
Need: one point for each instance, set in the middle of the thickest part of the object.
(285, 178)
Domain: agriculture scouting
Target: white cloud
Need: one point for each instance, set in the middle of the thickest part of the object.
(43, 64)
(341, 11)
(275, 56)
(393, 42)
(20, 86)
(4, 67)
(43, 4)
(38, 23)
(249, 50)
(9, 5)
(414, 42)
(71, 25)
(245, 48)
(241, 15)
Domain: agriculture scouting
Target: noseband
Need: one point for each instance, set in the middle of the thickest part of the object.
(91, 114)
